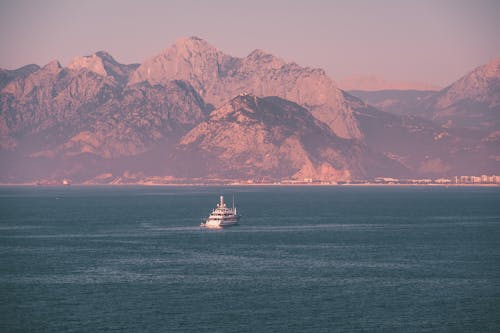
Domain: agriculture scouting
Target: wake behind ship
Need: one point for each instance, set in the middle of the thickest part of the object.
(222, 216)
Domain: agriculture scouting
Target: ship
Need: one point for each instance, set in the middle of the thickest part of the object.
(221, 216)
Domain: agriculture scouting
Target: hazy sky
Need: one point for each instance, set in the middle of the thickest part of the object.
(432, 41)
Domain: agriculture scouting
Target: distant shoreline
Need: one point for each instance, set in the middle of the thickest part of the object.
(249, 185)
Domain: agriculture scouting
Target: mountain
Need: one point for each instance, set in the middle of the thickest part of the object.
(425, 147)
(219, 77)
(195, 112)
(452, 131)
(104, 64)
(7, 75)
(62, 101)
(47, 98)
(472, 102)
(273, 138)
(138, 118)
(421, 146)
(59, 116)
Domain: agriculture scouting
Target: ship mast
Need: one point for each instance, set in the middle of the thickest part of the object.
(234, 209)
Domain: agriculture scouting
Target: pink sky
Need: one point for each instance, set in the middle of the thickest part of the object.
(428, 41)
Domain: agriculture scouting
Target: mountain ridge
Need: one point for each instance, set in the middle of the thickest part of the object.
(102, 63)
(175, 115)
(219, 77)
(473, 101)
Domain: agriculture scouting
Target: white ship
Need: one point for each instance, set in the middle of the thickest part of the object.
(222, 216)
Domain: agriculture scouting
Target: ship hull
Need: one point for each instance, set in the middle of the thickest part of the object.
(219, 224)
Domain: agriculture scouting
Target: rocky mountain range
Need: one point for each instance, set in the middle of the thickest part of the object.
(219, 77)
(471, 102)
(194, 112)
(467, 111)
(277, 139)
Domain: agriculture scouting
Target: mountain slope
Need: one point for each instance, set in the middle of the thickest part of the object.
(49, 97)
(218, 78)
(464, 118)
(63, 121)
(471, 102)
(425, 148)
(103, 121)
(272, 138)
(140, 117)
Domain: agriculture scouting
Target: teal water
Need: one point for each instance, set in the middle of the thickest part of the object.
(304, 259)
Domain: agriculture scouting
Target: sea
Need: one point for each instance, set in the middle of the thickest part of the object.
(302, 259)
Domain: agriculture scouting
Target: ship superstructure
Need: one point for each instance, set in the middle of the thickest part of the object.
(222, 216)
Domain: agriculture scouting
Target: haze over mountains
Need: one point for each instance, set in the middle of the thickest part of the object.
(472, 101)
(375, 83)
(194, 112)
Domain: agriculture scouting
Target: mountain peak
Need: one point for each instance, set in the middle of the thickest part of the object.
(93, 63)
(242, 102)
(53, 65)
(492, 69)
(258, 53)
(218, 77)
(7, 76)
(472, 101)
(190, 39)
(191, 44)
(264, 58)
(103, 64)
(244, 96)
(245, 100)
(105, 56)
(477, 82)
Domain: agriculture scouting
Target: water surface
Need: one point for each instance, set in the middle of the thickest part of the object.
(304, 259)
